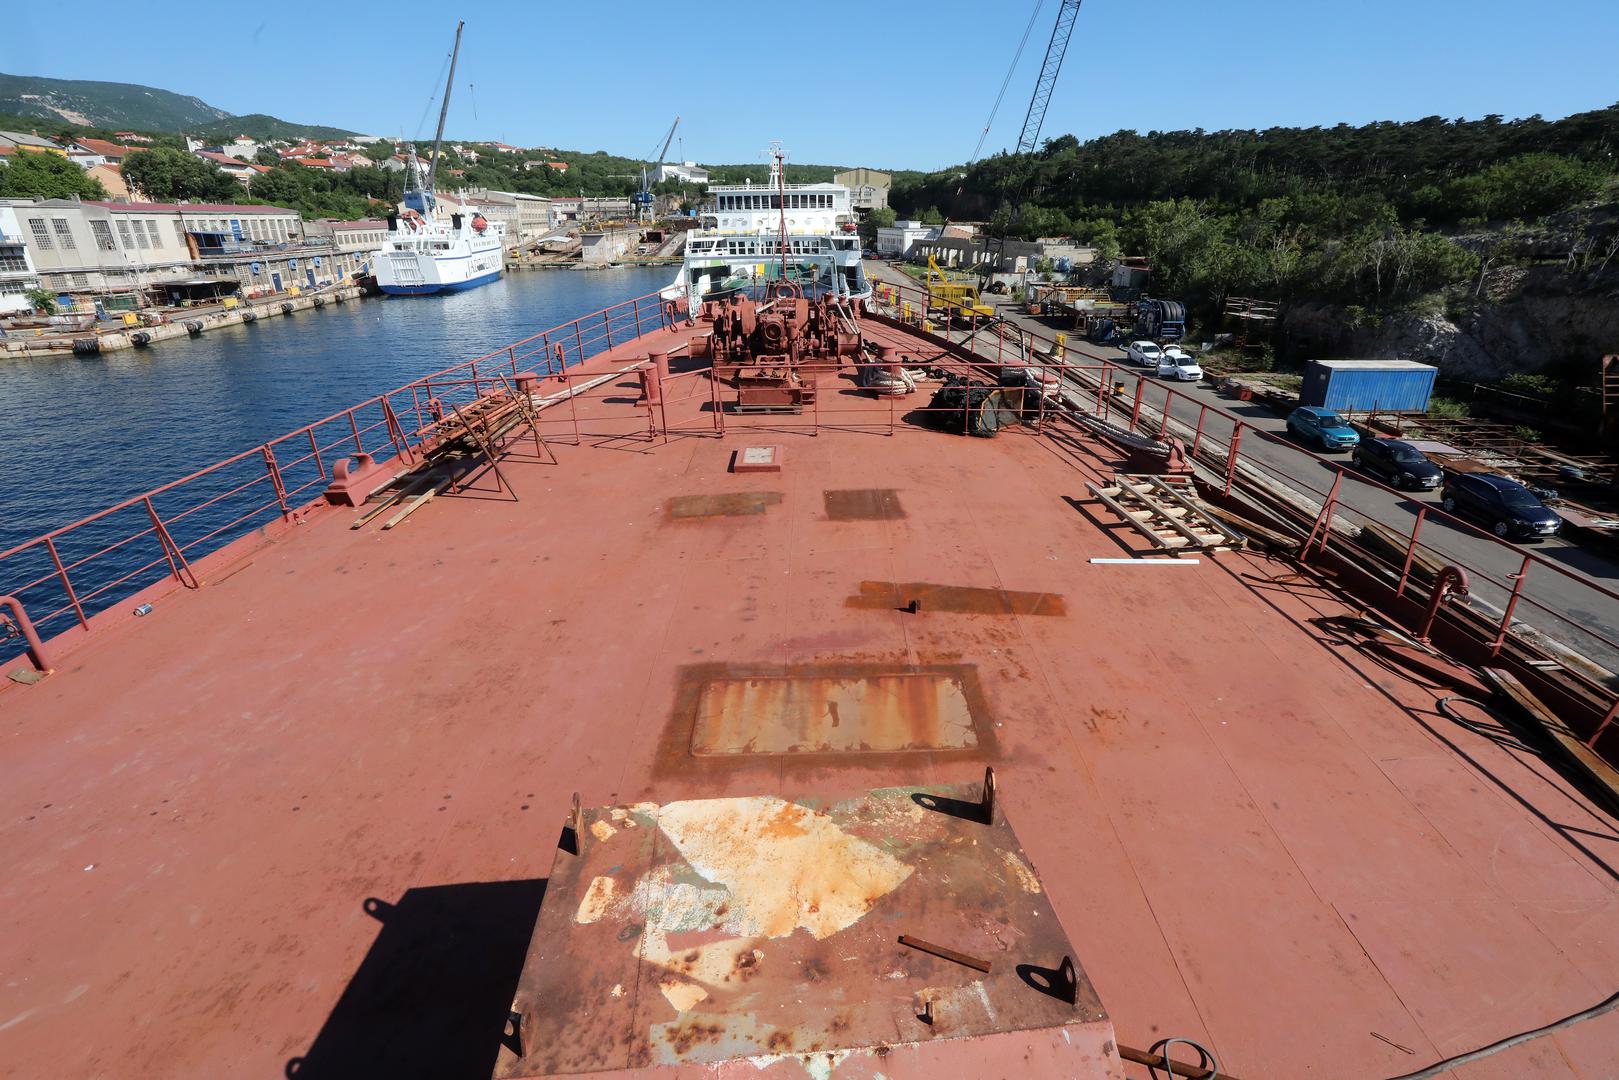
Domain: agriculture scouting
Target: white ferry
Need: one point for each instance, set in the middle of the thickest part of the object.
(432, 249)
(738, 243)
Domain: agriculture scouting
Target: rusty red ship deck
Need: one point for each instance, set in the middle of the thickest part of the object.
(298, 820)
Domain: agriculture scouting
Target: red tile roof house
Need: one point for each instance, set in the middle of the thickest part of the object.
(87, 153)
(244, 171)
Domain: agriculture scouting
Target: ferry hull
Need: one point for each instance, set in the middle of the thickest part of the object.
(435, 287)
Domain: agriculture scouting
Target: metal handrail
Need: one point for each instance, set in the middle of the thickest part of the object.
(1240, 425)
(338, 435)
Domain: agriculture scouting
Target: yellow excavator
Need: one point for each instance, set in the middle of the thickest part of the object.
(953, 300)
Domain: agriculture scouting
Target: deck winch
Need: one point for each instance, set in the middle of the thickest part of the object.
(762, 348)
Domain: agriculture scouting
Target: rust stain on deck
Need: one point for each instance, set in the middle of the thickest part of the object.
(676, 759)
(821, 714)
(955, 599)
(728, 504)
(864, 504)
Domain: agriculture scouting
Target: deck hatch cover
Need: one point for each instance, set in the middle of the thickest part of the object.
(739, 930)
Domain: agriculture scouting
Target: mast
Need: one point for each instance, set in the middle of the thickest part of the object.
(781, 188)
(444, 109)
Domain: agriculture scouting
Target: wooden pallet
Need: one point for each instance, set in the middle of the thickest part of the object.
(1167, 511)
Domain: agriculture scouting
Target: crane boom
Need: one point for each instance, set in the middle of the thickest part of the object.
(444, 109)
(643, 198)
(1055, 51)
(667, 140)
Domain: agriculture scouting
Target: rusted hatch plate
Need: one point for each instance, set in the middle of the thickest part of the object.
(956, 599)
(739, 931)
(821, 714)
(728, 504)
(864, 504)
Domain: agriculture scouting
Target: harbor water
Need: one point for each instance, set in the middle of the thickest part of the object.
(79, 434)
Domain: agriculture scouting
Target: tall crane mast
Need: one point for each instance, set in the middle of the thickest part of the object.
(643, 198)
(1035, 118)
(1047, 82)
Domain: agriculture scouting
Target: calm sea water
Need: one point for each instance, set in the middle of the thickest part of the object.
(80, 434)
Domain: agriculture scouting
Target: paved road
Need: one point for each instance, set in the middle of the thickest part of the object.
(1566, 607)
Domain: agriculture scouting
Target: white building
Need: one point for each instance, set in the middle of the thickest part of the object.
(128, 253)
(241, 148)
(896, 239)
(868, 188)
(687, 171)
(17, 274)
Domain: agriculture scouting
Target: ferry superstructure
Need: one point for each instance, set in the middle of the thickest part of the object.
(742, 232)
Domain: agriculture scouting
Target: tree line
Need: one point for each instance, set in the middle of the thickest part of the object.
(1369, 214)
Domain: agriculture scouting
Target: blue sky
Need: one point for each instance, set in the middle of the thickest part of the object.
(896, 84)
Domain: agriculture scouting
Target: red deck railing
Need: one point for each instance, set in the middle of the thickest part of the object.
(69, 574)
(1215, 431)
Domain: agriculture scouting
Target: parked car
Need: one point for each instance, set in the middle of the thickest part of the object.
(1509, 508)
(1401, 462)
(1323, 427)
(1145, 353)
(1175, 363)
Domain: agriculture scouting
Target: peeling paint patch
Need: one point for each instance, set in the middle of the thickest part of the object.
(682, 995)
(787, 867)
(1022, 872)
(819, 1065)
(602, 831)
(598, 898)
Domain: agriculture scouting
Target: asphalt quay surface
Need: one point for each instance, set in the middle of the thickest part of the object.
(1567, 607)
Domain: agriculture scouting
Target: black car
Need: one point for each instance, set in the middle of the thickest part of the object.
(1510, 508)
(1401, 462)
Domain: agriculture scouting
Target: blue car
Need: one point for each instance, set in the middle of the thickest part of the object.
(1323, 427)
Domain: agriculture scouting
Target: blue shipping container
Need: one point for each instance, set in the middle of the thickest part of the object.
(1364, 385)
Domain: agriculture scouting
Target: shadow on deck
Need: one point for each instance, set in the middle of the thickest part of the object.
(432, 995)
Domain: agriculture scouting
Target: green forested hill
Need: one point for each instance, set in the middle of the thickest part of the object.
(1359, 214)
(130, 106)
(263, 128)
(104, 104)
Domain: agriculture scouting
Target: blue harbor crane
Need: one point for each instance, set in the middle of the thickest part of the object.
(643, 199)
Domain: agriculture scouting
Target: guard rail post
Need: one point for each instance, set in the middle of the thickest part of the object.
(274, 472)
(1411, 552)
(1231, 455)
(67, 585)
(1512, 603)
